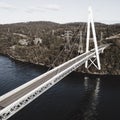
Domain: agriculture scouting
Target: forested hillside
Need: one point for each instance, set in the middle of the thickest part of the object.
(46, 43)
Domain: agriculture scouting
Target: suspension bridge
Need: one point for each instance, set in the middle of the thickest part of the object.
(15, 100)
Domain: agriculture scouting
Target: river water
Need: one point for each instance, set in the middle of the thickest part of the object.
(76, 97)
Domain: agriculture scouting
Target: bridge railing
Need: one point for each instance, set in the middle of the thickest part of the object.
(51, 73)
(33, 94)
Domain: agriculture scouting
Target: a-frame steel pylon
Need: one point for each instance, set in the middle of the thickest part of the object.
(90, 24)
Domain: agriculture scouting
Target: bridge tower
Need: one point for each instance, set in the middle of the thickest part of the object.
(91, 26)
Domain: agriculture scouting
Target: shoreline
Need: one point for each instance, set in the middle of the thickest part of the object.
(42, 65)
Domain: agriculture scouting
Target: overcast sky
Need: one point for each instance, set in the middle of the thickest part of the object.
(61, 11)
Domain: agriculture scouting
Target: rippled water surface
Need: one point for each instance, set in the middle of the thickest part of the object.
(76, 97)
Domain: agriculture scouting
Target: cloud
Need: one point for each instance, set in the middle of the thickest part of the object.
(6, 6)
(33, 9)
(53, 7)
(43, 8)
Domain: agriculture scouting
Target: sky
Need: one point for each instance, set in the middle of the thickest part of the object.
(60, 11)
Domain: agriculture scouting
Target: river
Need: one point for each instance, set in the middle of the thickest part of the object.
(76, 97)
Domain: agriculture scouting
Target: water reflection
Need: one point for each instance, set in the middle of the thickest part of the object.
(87, 110)
(90, 113)
(86, 83)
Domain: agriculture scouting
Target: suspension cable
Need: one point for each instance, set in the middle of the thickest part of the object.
(57, 57)
(71, 49)
(73, 46)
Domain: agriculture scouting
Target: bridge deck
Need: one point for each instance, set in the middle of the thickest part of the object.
(40, 80)
(31, 87)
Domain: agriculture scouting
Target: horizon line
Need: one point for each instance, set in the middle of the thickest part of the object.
(59, 22)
